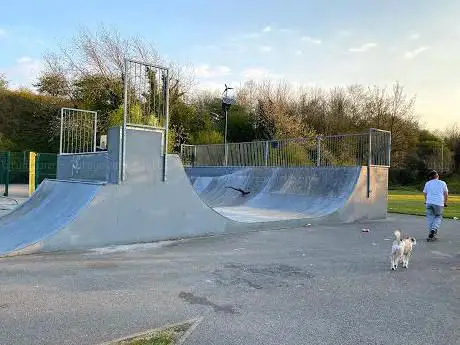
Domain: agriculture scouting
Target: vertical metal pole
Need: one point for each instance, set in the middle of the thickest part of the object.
(266, 153)
(7, 173)
(166, 100)
(125, 119)
(225, 136)
(389, 149)
(369, 163)
(318, 151)
(32, 170)
(95, 132)
(194, 156)
(37, 169)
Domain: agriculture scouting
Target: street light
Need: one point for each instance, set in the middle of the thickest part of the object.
(226, 103)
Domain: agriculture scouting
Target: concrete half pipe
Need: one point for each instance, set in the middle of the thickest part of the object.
(89, 207)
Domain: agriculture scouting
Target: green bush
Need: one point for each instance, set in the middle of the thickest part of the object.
(207, 137)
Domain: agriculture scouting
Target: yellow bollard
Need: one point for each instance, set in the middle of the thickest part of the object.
(32, 157)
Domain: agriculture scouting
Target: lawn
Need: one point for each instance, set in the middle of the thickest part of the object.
(412, 202)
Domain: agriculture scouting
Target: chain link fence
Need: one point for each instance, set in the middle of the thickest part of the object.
(359, 149)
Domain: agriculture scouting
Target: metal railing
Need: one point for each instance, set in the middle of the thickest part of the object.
(145, 102)
(78, 131)
(371, 148)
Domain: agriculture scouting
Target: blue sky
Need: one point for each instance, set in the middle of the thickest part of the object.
(322, 43)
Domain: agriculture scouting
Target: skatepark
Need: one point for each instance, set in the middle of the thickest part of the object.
(133, 238)
(71, 213)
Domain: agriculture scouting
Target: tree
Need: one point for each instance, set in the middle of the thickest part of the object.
(207, 137)
(89, 70)
(53, 84)
(457, 156)
(240, 127)
(3, 81)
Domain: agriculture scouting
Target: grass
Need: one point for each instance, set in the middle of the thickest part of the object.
(412, 202)
(166, 336)
(158, 339)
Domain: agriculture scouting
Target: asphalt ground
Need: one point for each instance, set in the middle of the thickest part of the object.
(312, 285)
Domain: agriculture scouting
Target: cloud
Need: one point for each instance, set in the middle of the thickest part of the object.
(258, 34)
(25, 72)
(265, 49)
(258, 73)
(3, 33)
(206, 72)
(311, 40)
(214, 86)
(414, 53)
(363, 48)
(268, 28)
(413, 36)
(298, 52)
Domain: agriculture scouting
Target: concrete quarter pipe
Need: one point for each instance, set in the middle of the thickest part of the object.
(89, 207)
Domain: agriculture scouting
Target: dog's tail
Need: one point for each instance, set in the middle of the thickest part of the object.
(397, 234)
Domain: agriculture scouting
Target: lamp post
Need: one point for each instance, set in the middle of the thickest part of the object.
(226, 103)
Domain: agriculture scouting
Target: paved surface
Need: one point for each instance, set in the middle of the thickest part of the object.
(16, 190)
(7, 204)
(313, 285)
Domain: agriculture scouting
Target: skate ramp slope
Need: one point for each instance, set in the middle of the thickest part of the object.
(51, 207)
(277, 193)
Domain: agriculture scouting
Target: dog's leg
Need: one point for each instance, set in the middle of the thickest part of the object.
(393, 267)
(407, 259)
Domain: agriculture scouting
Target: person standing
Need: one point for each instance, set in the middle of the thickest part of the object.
(436, 195)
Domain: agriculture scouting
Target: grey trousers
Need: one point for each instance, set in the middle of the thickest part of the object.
(433, 216)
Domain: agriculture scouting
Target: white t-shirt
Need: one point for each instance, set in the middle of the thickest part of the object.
(434, 190)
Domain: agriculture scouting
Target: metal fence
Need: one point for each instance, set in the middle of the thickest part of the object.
(371, 148)
(146, 101)
(441, 159)
(78, 131)
(14, 168)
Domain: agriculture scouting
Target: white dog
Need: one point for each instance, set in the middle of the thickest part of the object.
(401, 250)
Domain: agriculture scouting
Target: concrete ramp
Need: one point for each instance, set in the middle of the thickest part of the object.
(74, 214)
(276, 193)
(54, 205)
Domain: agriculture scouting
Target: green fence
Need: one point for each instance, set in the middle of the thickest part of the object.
(14, 168)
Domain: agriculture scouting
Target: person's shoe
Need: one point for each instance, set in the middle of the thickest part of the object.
(432, 233)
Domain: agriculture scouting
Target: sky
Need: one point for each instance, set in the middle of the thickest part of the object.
(323, 43)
